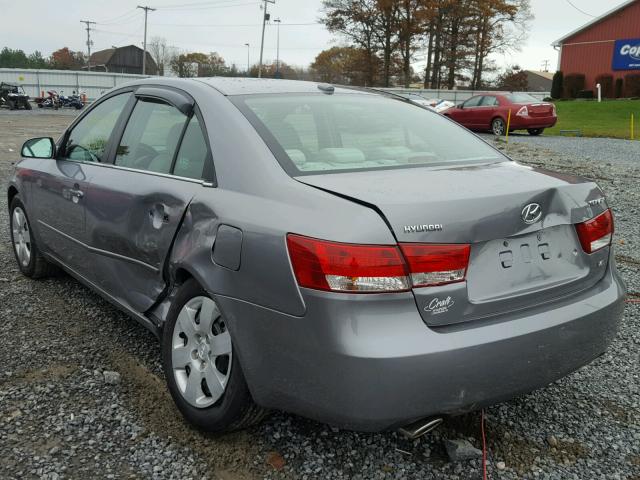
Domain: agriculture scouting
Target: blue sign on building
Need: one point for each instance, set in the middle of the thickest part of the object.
(626, 54)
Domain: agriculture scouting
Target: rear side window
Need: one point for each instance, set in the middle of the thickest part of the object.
(151, 137)
(193, 153)
(88, 139)
(521, 98)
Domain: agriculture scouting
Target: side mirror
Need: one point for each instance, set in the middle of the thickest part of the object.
(460, 106)
(42, 147)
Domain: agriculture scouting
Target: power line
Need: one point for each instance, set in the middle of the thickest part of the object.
(580, 10)
(88, 23)
(265, 17)
(234, 25)
(144, 53)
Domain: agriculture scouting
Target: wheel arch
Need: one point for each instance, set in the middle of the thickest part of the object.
(12, 191)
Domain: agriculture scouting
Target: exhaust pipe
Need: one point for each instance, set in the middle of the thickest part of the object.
(420, 427)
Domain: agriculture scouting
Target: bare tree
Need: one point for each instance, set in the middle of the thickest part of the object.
(162, 53)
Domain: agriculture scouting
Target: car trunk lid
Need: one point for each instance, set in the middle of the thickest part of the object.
(540, 109)
(511, 262)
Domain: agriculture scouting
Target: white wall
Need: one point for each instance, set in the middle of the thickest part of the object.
(91, 83)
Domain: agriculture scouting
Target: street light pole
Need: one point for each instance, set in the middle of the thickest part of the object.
(144, 54)
(265, 17)
(277, 20)
(248, 64)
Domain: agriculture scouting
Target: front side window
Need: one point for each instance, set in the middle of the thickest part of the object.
(151, 136)
(332, 133)
(88, 140)
(489, 101)
(472, 102)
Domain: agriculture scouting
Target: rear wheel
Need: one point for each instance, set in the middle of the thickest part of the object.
(535, 131)
(498, 126)
(204, 376)
(27, 105)
(11, 104)
(30, 261)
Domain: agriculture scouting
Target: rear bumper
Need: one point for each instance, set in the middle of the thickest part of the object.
(370, 363)
(521, 123)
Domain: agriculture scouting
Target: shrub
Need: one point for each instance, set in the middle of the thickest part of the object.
(632, 85)
(606, 84)
(573, 84)
(547, 99)
(557, 85)
(585, 94)
(619, 87)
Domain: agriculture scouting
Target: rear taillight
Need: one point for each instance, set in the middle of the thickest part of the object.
(596, 233)
(436, 264)
(553, 110)
(523, 112)
(347, 267)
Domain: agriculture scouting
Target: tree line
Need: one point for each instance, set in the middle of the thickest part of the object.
(455, 37)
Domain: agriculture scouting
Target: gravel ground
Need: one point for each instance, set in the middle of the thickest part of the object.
(59, 418)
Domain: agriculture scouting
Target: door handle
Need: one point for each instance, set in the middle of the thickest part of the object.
(75, 195)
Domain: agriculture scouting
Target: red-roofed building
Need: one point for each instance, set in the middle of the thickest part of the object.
(609, 44)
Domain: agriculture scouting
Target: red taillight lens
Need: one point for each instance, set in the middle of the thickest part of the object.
(346, 267)
(436, 264)
(596, 233)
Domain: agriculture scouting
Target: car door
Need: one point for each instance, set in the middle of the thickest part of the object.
(486, 111)
(135, 206)
(62, 184)
(466, 114)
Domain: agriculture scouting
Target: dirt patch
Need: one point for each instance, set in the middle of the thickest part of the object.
(228, 456)
(52, 372)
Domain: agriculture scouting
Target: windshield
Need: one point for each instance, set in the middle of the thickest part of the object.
(522, 98)
(318, 133)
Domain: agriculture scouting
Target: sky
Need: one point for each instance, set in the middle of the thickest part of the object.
(225, 26)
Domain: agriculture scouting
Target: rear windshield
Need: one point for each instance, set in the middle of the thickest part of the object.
(522, 98)
(318, 133)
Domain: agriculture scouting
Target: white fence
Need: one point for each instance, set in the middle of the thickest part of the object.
(93, 84)
(456, 95)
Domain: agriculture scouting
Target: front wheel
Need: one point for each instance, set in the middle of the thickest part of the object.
(27, 105)
(30, 261)
(535, 131)
(204, 376)
(498, 126)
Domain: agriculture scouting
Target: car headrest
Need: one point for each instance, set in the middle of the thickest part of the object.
(341, 155)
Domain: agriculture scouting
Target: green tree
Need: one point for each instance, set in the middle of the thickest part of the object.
(13, 58)
(557, 85)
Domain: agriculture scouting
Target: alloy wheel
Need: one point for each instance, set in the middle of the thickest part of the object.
(201, 352)
(498, 127)
(21, 236)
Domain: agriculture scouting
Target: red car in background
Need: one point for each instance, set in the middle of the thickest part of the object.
(490, 111)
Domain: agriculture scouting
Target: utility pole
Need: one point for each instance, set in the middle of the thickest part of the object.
(265, 17)
(248, 65)
(88, 23)
(277, 20)
(545, 65)
(144, 54)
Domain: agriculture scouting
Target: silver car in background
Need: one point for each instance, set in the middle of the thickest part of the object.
(335, 253)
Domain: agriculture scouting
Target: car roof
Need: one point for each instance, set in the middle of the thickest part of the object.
(252, 86)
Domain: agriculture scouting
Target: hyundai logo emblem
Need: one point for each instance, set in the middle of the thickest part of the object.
(531, 213)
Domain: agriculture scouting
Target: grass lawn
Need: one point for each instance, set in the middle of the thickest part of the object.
(606, 119)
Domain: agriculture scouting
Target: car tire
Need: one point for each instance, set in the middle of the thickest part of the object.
(498, 127)
(27, 105)
(535, 131)
(11, 104)
(30, 261)
(189, 344)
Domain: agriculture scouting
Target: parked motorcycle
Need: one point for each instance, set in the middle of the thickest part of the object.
(72, 101)
(52, 101)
